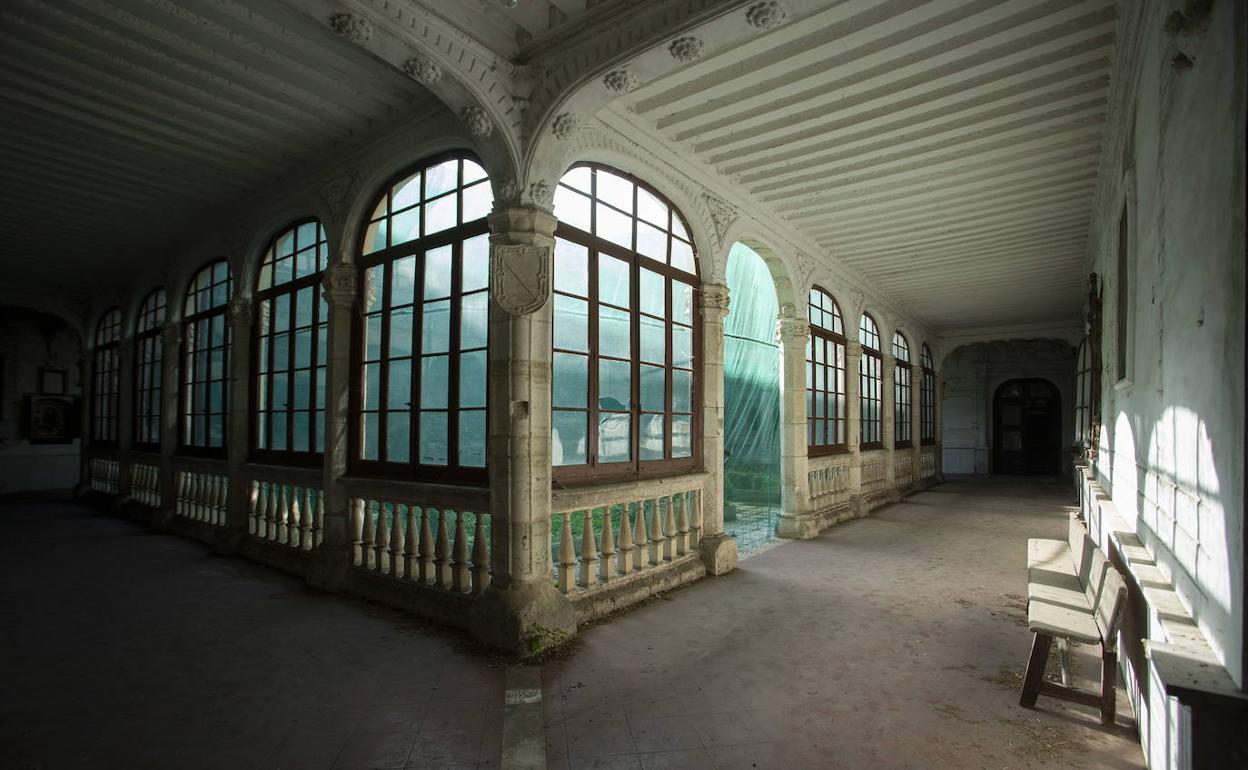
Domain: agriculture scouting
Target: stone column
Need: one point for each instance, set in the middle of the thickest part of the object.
(719, 551)
(125, 414)
(340, 287)
(888, 416)
(916, 420)
(170, 388)
(86, 376)
(238, 422)
(795, 519)
(853, 415)
(940, 422)
(521, 610)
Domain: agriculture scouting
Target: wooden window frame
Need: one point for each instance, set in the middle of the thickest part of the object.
(385, 258)
(264, 331)
(188, 368)
(833, 343)
(149, 355)
(870, 372)
(106, 379)
(903, 393)
(927, 398)
(592, 471)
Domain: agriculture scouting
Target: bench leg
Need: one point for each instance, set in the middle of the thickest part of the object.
(1035, 669)
(1109, 676)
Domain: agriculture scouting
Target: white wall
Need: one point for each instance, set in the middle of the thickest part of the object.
(30, 341)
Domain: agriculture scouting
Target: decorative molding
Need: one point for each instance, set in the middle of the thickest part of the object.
(240, 310)
(478, 122)
(565, 124)
(423, 70)
(620, 81)
(171, 334)
(686, 49)
(338, 193)
(767, 15)
(791, 330)
(716, 299)
(340, 284)
(508, 190)
(520, 277)
(541, 194)
(723, 215)
(354, 28)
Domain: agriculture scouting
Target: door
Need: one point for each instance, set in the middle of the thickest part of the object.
(1027, 434)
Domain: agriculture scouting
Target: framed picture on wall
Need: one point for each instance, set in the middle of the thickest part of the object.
(52, 382)
(51, 419)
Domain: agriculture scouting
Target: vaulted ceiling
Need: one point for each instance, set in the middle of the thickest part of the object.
(125, 121)
(947, 150)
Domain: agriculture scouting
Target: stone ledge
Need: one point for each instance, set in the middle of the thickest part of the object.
(634, 589)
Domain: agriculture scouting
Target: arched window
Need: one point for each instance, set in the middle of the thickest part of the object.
(825, 375)
(105, 384)
(288, 399)
(420, 400)
(870, 383)
(1083, 395)
(148, 375)
(927, 403)
(625, 339)
(902, 392)
(206, 359)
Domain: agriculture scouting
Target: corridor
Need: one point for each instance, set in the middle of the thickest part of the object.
(893, 641)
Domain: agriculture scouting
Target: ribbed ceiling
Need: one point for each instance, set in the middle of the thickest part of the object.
(948, 150)
(508, 30)
(124, 123)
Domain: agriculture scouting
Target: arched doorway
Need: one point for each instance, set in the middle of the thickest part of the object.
(1027, 428)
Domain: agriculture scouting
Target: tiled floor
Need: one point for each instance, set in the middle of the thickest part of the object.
(127, 649)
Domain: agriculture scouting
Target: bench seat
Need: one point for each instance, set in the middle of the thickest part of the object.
(1056, 602)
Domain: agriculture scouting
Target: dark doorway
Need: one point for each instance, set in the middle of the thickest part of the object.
(1027, 432)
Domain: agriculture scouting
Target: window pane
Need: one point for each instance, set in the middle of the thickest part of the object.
(406, 226)
(474, 320)
(651, 209)
(653, 342)
(472, 379)
(651, 242)
(369, 436)
(372, 339)
(653, 385)
(441, 214)
(682, 302)
(406, 193)
(434, 376)
(401, 331)
(570, 387)
(403, 281)
(472, 439)
(653, 293)
(571, 208)
(436, 334)
(300, 432)
(398, 437)
(614, 385)
(571, 323)
(372, 386)
(613, 226)
(569, 438)
(441, 178)
(432, 438)
(571, 268)
(438, 273)
(682, 436)
(615, 333)
(478, 200)
(476, 265)
(682, 255)
(579, 178)
(652, 436)
(682, 391)
(399, 391)
(279, 431)
(614, 438)
(303, 389)
(613, 281)
(615, 190)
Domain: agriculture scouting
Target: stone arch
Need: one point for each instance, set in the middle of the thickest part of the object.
(255, 239)
(789, 295)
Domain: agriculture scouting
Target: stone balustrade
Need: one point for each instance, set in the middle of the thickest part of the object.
(105, 475)
(145, 483)
(927, 463)
(286, 514)
(202, 496)
(828, 482)
(436, 547)
(874, 473)
(903, 469)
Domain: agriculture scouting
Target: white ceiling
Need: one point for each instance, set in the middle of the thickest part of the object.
(124, 121)
(947, 150)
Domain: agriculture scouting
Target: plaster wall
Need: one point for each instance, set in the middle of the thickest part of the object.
(30, 341)
(972, 374)
(1171, 452)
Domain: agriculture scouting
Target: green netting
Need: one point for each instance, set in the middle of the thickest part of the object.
(751, 402)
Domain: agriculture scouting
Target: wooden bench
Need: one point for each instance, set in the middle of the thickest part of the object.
(1073, 594)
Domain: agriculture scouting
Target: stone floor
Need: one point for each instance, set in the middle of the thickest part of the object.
(895, 641)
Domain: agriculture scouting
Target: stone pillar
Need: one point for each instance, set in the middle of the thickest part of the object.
(238, 424)
(853, 414)
(888, 417)
(940, 423)
(340, 288)
(125, 414)
(86, 376)
(795, 519)
(521, 610)
(916, 421)
(719, 551)
(170, 388)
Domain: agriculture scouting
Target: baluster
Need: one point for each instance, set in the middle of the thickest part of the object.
(179, 503)
(381, 539)
(283, 513)
(606, 564)
(589, 552)
(318, 524)
(669, 530)
(271, 515)
(192, 489)
(625, 552)
(480, 555)
(567, 555)
(307, 513)
(442, 553)
(262, 500)
(294, 516)
(682, 525)
(411, 543)
(695, 523)
(223, 499)
(253, 507)
(357, 532)
(641, 553)
(656, 532)
(366, 537)
(397, 541)
(426, 547)
(461, 579)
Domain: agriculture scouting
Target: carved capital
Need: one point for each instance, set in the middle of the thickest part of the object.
(520, 277)
(793, 330)
(241, 312)
(340, 284)
(853, 349)
(715, 302)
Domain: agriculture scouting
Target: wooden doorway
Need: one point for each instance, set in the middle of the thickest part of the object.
(1027, 428)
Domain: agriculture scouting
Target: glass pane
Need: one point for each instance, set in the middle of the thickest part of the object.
(614, 333)
(401, 331)
(406, 193)
(572, 208)
(652, 294)
(613, 281)
(651, 242)
(682, 436)
(403, 281)
(441, 214)
(571, 268)
(303, 307)
(472, 379)
(651, 209)
(579, 178)
(682, 391)
(682, 256)
(372, 338)
(682, 302)
(438, 273)
(652, 426)
(615, 190)
(614, 385)
(478, 200)
(398, 437)
(279, 431)
(303, 348)
(474, 320)
(441, 178)
(283, 270)
(302, 389)
(372, 288)
(570, 387)
(571, 323)
(399, 389)
(434, 378)
(568, 438)
(433, 438)
(682, 346)
(436, 333)
(476, 263)
(472, 171)
(653, 340)
(614, 438)
(369, 435)
(472, 439)
(406, 226)
(653, 384)
(613, 226)
(372, 386)
(300, 432)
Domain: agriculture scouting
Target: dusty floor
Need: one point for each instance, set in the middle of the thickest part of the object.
(890, 642)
